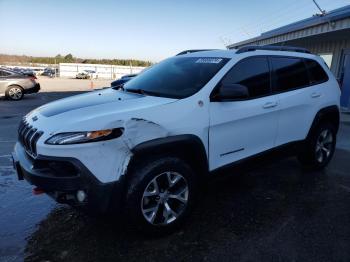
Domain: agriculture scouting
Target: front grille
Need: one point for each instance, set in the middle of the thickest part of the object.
(28, 136)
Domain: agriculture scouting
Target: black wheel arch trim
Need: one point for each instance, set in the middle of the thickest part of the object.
(188, 144)
(329, 113)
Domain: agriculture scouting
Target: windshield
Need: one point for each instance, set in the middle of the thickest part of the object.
(176, 77)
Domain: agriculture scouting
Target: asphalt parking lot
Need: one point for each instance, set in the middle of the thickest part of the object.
(275, 212)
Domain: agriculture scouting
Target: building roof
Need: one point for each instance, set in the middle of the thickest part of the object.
(334, 15)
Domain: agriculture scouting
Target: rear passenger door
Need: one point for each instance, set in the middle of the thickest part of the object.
(245, 127)
(299, 92)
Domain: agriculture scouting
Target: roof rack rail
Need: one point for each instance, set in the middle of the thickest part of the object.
(272, 48)
(193, 51)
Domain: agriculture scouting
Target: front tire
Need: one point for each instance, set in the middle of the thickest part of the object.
(160, 194)
(319, 147)
(14, 93)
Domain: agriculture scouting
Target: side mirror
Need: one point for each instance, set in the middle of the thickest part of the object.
(231, 92)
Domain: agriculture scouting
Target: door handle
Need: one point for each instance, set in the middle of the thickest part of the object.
(270, 105)
(315, 95)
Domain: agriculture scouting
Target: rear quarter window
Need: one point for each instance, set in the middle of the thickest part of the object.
(316, 72)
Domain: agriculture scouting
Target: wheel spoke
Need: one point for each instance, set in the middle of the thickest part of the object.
(151, 213)
(326, 150)
(181, 196)
(169, 214)
(329, 139)
(172, 181)
(155, 190)
(318, 146)
(324, 134)
(319, 155)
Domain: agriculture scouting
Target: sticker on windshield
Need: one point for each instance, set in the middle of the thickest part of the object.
(209, 60)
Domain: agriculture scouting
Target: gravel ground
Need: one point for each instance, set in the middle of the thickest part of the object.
(273, 211)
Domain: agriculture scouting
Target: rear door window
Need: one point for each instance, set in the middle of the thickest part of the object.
(4, 73)
(289, 73)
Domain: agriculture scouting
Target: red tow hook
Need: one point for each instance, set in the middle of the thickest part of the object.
(38, 191)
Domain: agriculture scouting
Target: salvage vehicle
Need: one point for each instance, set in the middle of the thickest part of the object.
(14, 84)
(143, 150)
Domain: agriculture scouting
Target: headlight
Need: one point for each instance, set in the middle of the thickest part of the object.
(84, 137)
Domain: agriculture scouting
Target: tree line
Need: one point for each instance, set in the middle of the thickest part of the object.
(69, 58)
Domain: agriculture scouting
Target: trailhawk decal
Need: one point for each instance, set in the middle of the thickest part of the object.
(208, 60)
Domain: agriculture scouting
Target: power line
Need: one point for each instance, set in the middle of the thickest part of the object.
(288, 13)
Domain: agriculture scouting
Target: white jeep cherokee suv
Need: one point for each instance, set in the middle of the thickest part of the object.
(142, 149)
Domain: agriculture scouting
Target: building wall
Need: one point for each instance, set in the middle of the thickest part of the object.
(334, 47)
(307, 32)
(102, 71)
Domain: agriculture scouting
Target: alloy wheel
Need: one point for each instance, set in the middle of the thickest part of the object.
(324, 145)
(165, 198)
(15, 93)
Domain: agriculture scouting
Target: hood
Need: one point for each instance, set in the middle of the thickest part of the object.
(119, 101)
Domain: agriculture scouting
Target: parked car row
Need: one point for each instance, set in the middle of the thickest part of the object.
(35, 71)
(15, 85)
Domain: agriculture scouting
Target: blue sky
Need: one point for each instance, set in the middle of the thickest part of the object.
(149, 29)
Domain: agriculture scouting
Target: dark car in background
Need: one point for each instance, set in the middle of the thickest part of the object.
(14, 84)
(122, 80)
(50, 72)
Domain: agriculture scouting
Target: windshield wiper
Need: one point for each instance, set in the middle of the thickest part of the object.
(119, 87)
(141, 91)
(145, 92)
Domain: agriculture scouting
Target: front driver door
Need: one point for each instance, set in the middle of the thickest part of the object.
(239, 129)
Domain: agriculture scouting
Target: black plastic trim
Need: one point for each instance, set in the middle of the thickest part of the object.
(193, 51)
(279, 152)
(34, 89)
(323, 114)
(174, 144)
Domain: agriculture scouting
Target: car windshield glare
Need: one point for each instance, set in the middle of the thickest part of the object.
(177, 77)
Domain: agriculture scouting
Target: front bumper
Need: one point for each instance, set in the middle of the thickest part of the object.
(62, 178)
(34, 89)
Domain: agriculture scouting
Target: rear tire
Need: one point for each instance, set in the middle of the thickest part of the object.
(160, 195)
(319, 147)
(14, 93)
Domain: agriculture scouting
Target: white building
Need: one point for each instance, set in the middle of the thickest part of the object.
(102, 71)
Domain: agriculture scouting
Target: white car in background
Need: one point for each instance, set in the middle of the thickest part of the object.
(87, 74)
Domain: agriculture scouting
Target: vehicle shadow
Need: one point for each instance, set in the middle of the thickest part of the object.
(276, 212)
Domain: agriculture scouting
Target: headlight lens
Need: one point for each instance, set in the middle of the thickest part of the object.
(84, 137)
